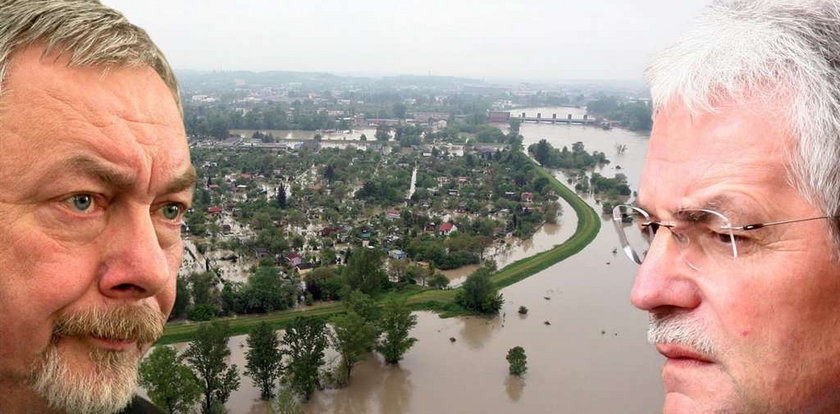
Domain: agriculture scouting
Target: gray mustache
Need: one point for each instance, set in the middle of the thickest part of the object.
(681, 329)
(139, 323)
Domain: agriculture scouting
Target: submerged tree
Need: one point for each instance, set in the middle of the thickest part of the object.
(264, 359)
(171, 384)
(517, 360)
(285, 404)
(353, 337)
(396, 324)
(207, 354)
(304, 343)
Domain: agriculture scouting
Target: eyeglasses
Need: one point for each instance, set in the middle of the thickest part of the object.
(703, 235)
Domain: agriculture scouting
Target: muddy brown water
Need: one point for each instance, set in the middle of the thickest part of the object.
(584, 341)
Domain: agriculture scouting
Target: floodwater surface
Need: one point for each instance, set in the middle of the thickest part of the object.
(585, 343)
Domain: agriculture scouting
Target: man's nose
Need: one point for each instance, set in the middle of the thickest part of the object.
(134, 264)
(664, 278)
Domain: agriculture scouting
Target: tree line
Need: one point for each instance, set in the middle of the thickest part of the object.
(287, 369)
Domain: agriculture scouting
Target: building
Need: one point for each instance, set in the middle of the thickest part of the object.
(494, 116)
(430, 117)
(397, 254)
(294, 259)
(527, 196)
(447, 228)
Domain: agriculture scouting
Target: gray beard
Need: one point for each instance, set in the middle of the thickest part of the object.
(106, 388)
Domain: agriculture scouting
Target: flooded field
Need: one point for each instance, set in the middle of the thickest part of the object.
(585, 343)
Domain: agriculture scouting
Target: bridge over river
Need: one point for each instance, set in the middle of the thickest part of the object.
(569, 119)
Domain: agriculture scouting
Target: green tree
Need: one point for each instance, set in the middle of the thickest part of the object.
(264, 358)
(182, 299)
(232, 298)
(352, 338)
(382, 133)
(364, 271)
(439, 281)
(514, 124)
(399, 110)
(396, 324)
(517, 360)
(266, 292)
(204, 289)
(206, 354)
(281, 196)
(479, 294)
(542, 152)
(364, 306)
(329, 173)
(323, 283)
(327, 256)
(304, 343)
(170, 384)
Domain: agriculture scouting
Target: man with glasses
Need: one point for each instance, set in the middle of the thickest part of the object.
(735, 227)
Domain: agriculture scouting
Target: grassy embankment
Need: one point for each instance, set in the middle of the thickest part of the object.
(443, 301)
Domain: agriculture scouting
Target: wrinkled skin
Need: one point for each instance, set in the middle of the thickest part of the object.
(93, 164)
(774, 312)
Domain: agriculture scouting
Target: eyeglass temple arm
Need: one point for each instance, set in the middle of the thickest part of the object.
(757, 226)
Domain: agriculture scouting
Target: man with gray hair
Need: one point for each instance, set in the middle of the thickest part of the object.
(95, 176)
(736, 222)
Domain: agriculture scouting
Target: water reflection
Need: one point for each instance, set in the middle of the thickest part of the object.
(514, 386)
(396, 390)
(476, 331)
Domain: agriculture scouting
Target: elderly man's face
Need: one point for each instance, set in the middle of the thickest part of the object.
(94, 175)
(771, 316)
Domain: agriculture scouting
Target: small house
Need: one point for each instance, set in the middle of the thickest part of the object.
(527, 196)
(447, 228)
(294, 259)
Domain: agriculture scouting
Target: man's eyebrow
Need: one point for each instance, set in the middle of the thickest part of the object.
(102, 172)
(722, 203)
(185, 181)
(725, 204)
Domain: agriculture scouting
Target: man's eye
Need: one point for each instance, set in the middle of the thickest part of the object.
(83, 203)
(171, 211)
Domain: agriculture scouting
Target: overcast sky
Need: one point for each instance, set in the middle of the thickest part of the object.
(550, 40)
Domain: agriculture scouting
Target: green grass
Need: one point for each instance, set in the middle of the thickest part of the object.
(418, 298)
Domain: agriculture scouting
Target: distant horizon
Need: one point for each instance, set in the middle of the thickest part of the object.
(538, 41)
(373, 75)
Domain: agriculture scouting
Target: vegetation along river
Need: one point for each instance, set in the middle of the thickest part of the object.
(584, 341)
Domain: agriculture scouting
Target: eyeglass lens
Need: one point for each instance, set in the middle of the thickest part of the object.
(702, 235)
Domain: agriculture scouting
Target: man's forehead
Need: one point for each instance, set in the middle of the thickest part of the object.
(51, 113)
(97, 93)
(738, 148)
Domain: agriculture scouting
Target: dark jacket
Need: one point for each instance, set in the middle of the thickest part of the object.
(141, 406)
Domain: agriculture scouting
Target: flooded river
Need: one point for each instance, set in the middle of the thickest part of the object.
(584, 342)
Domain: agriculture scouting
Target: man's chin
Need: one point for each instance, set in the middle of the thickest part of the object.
(693, 387)
(73, 376)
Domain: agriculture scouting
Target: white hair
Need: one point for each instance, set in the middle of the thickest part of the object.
(85, 31)
(738, 48)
